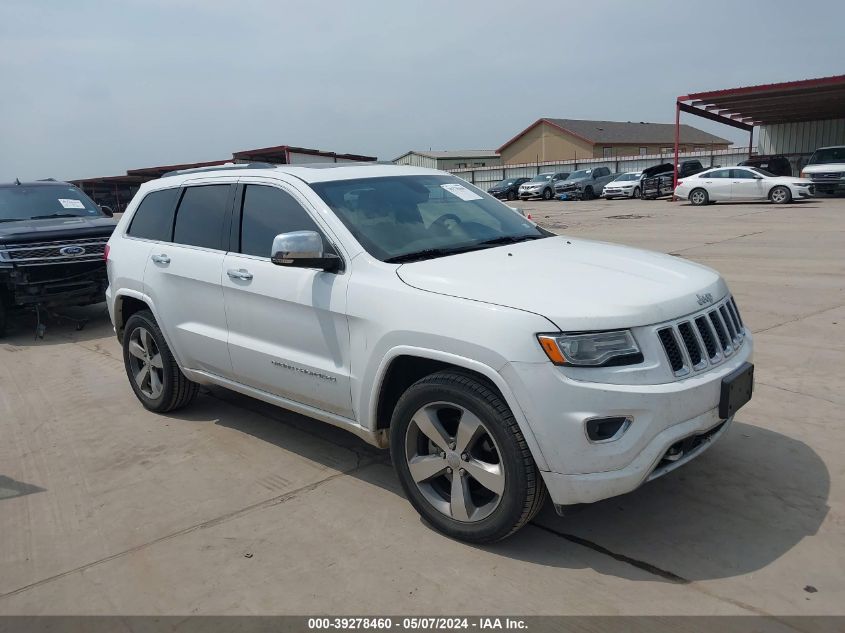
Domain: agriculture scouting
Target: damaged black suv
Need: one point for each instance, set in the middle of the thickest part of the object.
(52, 244)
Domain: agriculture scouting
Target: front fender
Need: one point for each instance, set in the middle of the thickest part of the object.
(371, 398)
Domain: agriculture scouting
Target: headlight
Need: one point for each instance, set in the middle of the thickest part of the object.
(591, 349)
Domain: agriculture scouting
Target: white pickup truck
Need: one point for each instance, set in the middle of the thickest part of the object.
(497, 361)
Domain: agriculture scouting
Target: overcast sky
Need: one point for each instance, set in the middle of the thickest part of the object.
(95, 88)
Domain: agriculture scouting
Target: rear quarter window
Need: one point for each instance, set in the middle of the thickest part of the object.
(153, 220)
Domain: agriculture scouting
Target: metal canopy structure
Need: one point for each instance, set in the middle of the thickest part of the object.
(281, 154)
(767, 104)
(117, 191)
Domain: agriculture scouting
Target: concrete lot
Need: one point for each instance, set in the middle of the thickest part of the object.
(236, 507)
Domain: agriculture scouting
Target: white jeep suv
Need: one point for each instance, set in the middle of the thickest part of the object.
(496, 360)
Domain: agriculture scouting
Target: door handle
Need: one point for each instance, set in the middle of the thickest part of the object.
(160, 259)
(241, 273)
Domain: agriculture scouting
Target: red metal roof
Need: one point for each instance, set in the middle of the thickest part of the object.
(805, 100)
(281, 154)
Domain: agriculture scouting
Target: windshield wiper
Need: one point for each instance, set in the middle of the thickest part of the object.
(509, 239)
(428, 253)
(12, 219)
(54, 215)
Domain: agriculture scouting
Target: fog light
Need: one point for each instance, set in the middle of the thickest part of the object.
(601, 430)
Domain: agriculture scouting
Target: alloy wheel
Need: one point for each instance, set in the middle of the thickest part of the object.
(455, 461)
(697, 197)
(779, 195)
(146, 363)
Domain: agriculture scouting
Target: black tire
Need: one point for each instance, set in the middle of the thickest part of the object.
(511, 196)
(524, 491)
(2, 318)
(699, 197)
(177, 391)
(780, 195)
(637, 193)
(589, 194)
(547, 194)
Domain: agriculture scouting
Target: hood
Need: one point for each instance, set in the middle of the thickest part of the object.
(822, 168)
(576, 284)
(572, 181)
(50, 229)
(531, 183)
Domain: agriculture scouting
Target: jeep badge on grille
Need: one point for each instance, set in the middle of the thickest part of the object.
(704, 299)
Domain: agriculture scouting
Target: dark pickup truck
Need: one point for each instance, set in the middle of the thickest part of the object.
(659, 180)
(52, 245)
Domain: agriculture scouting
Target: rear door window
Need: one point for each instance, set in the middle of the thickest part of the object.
(201, 219)
(719, 173)
(154, 218)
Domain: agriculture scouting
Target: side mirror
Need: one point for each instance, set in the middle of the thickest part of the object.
(107, 211)
(303, 249)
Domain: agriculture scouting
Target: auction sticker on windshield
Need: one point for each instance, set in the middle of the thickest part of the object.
(69, 203)
(462, 192)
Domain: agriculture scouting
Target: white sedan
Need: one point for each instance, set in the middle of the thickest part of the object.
(741, 184)
(626, 185)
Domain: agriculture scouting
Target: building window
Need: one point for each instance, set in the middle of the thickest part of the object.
(668, 150)
(607, 152)
(461, 165)
(479, 164)
(698, 148)
(643, 151)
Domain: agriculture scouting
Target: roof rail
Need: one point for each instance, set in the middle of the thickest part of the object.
(197, 170)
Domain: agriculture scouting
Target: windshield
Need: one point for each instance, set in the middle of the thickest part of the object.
(829, 155)
(626, 177)
(26, 202)
(581, 173)
(503, 183)
(541, 178)
(401, 218)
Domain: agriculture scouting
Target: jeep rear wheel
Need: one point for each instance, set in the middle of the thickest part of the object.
(152, 371)
(462, 460)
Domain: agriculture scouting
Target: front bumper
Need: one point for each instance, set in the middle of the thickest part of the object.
(556, 407)
(531, 194)
(618, 193)
(57, 285)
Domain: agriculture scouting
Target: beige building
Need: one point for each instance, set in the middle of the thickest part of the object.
(568, 139)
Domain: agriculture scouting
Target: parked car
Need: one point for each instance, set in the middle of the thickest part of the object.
(507, 189)
(741, 184)
(52, 238)
(826, 168)
(413, 309)
(625, 185)
(659, 180)
(541, 185)
(778, 165)
(585, 183)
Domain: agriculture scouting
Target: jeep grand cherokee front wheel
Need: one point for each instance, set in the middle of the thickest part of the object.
(462, 460)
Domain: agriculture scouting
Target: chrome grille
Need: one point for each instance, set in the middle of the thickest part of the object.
(704, 339)
(35, 253)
